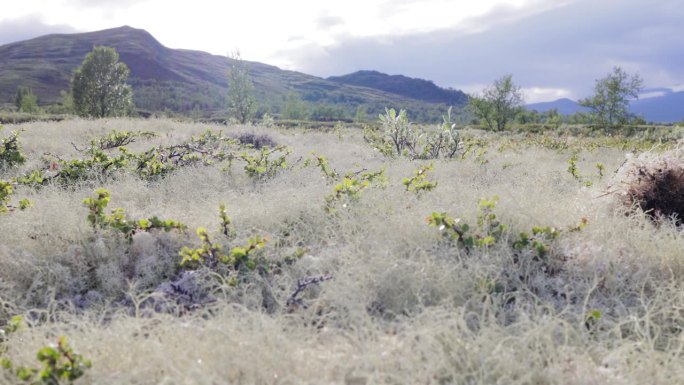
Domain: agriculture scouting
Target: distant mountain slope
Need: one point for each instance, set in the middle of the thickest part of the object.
(405, 86)
(175, 79)
(564, 106)
(666, 108)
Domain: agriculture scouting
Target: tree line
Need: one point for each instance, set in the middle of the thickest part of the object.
(503, 102)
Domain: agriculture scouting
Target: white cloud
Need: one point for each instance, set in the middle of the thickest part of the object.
(541, 94)
(553, 48)
(258, 27)
(653, 94)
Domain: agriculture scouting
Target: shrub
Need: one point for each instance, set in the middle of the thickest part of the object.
(6, 191)
(117, 139)
(400, 138)
(59, 363)
(10, 151)
(321, 161)
(119, 221)
(490, 231)
(417, 183)
(447, 140)
(261, 166)
(655, 185)
(349, 189)
(398, 129)
(256, 141)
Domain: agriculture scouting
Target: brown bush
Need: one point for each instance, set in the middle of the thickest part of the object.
(656, 186)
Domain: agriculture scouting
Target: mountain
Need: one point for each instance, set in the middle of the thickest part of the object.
(403, 85)
(181, 80)
(665, 107)
(564, 106)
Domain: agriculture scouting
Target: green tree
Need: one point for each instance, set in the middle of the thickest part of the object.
(295, 108)
(499, 103)
(361, 114)
(241, 101)
(99, 86)
(67, 101)
(25, 100)
(528, 117)
(610, 103)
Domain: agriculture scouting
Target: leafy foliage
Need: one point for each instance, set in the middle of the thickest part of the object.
(490, 231)
(227, 228)
(99, 85)
(499, 103)
(117, 218)
(25, 100)
(400, 138)
(10, 151)
(572, 170)
(321, 161)
(447, 140)
(398, 129)
(241, 99)
(417, 183)
(210, 255)
(610, 102)
(6, 191)
(538, 240)
(60, 364)
(261, 166)
(117, 139)
(349, 189)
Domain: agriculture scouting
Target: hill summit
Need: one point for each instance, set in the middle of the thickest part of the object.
(182, 80)
(402, 85)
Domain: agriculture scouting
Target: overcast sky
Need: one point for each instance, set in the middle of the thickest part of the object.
(553, 48)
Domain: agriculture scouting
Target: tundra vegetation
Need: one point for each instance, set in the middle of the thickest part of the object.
(159, 251)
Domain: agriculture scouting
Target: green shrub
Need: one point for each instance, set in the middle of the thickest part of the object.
(6, 191)
(349, 189)
(60, 364)
(261, 166)
(398, 129)
(398, 137)
(446, 141)
(322, 162)
(417, 183)
(119, 138)
(490, 231)
(117, 219)
(10, 151)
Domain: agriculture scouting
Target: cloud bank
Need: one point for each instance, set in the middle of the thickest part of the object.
(28, 27)
(552, 52)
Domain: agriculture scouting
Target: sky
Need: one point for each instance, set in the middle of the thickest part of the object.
(553, 48)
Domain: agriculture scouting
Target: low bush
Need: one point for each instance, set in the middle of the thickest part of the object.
(654, 184)
(256, 141)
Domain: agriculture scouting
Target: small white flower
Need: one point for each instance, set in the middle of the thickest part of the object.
(441, 227)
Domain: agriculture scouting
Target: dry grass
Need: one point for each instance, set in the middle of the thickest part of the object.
(404, 305)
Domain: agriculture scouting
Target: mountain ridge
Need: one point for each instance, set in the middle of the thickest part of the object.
(180, 79)
(403, 85)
